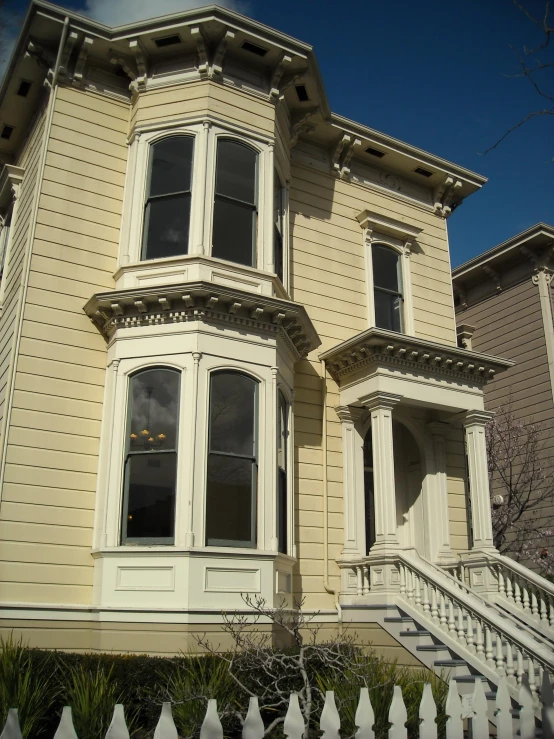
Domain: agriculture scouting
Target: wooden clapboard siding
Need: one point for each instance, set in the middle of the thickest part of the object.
(183, 102)
(52, 456)
(29, 160)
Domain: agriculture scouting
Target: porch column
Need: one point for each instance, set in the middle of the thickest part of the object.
(474, 424)
(437, 507)
(380, 406)
(352, 485)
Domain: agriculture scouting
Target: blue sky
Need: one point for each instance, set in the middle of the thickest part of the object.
(432, 73)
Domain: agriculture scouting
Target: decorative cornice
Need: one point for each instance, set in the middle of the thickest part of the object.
(371, 221)
(476, 418)
(11, 178)
(379, 347)
(348, 413)
(208, 302)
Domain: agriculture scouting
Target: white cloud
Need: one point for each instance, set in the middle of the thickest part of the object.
(120, 12)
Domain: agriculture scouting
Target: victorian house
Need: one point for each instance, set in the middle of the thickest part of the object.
(229, 361)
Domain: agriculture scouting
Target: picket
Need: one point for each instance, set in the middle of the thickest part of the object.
(294, 725)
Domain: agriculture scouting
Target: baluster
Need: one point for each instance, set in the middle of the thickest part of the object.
(427, 714)
(510, 669)
(520, 672)
(365, 718)
(294, 727)
(461, 629)
(443, 620)
(434, 605)
(417, 586)
(499, 655)
(534, 605)
(547, 713)
(329, 722)
(425, 601)
(480, 720)
(479, 646)
(526, 711)
(525, 598)
(509, 588)
(366, 580)
(503, 712)
(402, 579)
(543, 605)
(531, 676)
(469, 634)
(118, 728)
(359, 580)
(453, 710)
(166, 729)
(489, 653)
(410, 585)
(451, 621)
(501, 586)
(211, 726)
(517, 592)
(551, 611)
(398, 715)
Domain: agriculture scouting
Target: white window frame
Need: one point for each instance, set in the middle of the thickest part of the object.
(399, 236)
(11, 178)
(206, 132)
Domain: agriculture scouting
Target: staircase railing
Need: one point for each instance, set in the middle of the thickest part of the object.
(522, 589)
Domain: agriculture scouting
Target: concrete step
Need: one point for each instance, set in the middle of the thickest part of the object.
(450, 663)
(432, 648)
(415, 632)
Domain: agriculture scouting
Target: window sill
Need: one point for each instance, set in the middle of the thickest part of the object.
(169, 550)
(194, 268)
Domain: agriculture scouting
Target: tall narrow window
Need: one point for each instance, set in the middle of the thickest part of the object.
(282, 446)
(387, 288)
(167, 208)
(278, 224)
(4, 238)
(369, 492)
(235, 211)
(232, 461)
(151, 458)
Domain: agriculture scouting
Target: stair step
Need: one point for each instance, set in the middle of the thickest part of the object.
(398, 619)
(469, 678)
(415, 632)
(431, 647)
(450, 662)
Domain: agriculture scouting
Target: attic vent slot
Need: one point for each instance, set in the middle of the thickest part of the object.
(302, 93)
(23, 89)
(375, 152)
(423, 172)
(254, 49)
(6, 132)
(167, 41)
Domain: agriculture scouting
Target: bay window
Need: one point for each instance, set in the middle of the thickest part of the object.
(232, 475)
(167, 207)
(235, 203)
(150, 468)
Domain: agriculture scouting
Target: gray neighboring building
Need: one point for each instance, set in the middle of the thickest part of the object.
(504, 301)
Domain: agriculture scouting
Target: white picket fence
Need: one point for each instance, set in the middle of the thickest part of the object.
(471, 710)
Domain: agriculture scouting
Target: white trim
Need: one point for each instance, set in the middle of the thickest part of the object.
(543, 280)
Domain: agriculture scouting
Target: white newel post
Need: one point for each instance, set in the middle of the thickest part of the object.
(353, 489)
(437, 508)
(474, 424)
(380, 406)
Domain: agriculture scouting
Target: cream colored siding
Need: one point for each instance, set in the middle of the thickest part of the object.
(457, 494)
(29, 160)
(51, 463)
(184, 102)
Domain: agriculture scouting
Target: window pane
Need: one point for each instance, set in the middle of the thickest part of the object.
(167, 227)
(388, 311)
(282, 433)
(282, 512)
(230, 500)
(171, 165)
(236, 171)
(233, 232)
(232, 414)
(150, 485)
(278, 253)
(385, 268)
(369, 510)
(153, 412)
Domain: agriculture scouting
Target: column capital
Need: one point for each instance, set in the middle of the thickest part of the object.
(348, 413)
(379, 399)
(476, 418)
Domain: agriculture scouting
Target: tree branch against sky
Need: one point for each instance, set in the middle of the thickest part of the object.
(536, 63)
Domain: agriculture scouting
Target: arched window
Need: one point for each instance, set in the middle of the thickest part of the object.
(369, 492)
(387, 287)
(235, 207)
(232, 461)
(151, 458)
(167, 208)
(282, 469)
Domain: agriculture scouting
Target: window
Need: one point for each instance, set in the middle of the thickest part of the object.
(4, 239)
(235, 208)
(387, 290)
(151, 458)
(167, 208)
(232, 461)
(282, 446)
(369, 492)
(278, 224)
